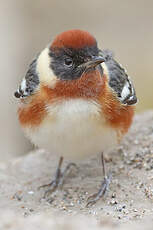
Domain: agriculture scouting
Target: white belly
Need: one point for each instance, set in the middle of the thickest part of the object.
(74, 129)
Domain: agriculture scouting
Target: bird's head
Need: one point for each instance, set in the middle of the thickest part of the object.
(70, 55)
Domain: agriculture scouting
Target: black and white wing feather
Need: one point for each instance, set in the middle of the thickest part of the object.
(119, 80)
(29, 82)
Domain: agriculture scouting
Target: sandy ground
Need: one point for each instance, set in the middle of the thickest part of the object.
(128, 203)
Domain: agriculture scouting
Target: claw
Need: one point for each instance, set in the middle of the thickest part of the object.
(59, 178)
(102, 191)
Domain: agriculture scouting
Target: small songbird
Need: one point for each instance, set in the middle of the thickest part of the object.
(76, 101)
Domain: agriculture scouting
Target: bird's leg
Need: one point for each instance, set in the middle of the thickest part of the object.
(104, 186)
(59, 177)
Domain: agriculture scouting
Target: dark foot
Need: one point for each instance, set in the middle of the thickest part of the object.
(104, 186)
(101, 193)
(59, 178)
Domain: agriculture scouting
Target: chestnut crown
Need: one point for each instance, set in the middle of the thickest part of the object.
(73, 52)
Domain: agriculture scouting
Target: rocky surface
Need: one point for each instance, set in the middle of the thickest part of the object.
(128, 203)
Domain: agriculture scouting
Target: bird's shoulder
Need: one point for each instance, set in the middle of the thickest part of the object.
(118, 79)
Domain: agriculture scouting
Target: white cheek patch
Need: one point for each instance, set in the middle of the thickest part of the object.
(44, 71)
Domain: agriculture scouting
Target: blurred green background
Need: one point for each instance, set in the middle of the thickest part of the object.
(27, 26)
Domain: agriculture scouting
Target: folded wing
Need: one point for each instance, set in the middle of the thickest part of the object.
(29, 82)
(119, 80)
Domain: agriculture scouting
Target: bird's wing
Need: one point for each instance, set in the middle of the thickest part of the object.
(29, 83)
(119, 80)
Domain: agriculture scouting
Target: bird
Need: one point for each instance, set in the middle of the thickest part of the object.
(76, 101)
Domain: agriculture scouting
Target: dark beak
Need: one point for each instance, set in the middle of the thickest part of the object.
(93, 62)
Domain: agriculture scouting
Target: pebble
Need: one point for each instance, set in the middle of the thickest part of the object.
(114, 195)
(135, 210)
(113, 202)
(30, 192)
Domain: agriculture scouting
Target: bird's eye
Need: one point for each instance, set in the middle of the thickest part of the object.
(68, 62)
